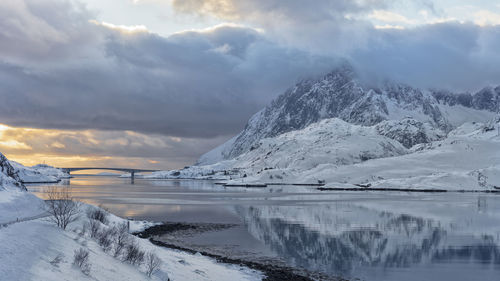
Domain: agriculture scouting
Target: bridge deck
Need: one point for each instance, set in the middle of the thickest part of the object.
(106, 168)
(127, 170)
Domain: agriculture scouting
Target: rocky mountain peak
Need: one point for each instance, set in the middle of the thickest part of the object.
(340, 94)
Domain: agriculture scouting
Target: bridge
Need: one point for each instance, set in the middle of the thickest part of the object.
(126, 170)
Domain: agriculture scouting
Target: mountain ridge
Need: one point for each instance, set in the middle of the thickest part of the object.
(340, 94)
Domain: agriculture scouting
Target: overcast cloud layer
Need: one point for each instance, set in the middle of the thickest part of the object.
(60, 68)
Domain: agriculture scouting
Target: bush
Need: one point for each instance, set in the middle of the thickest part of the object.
(81, 259)
(98, 214)
(105, 238)
(153, 263)
(133, 254)
(122, 239)
(94, 227)
(61, 206)
(83, 230)
(57, 260)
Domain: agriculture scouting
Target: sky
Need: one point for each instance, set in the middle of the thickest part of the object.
(156, 83)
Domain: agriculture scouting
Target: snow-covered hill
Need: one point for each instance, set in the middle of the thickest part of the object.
(329, 141)
(340, 94)
(40, 173)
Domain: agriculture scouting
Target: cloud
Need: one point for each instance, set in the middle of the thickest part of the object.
(70, 147)
(485, 18)
(265, 10)
(297, 23)
(390, 17)
(449, 55)
(439, 52)
(201, 83)
(42, 30)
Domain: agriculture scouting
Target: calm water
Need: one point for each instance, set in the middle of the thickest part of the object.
(371, 236)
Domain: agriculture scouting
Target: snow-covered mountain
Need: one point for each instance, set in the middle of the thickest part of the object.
(341, 132)
(340, 94)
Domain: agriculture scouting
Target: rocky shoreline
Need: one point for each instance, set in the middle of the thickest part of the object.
(272, 272)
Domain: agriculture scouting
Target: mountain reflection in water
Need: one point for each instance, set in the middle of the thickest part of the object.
(346, 239)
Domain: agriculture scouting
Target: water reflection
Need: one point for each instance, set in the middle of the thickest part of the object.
(372, 236)
(354, 241)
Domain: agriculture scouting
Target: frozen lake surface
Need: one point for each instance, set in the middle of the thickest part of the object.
(365, 235)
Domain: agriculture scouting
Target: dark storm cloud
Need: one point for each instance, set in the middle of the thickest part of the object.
(457, 56)
(192, 84)
(58, 69)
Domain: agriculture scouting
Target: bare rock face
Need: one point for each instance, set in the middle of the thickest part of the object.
(409, 131)
(486, 99)
(340, 94)
(10, 175)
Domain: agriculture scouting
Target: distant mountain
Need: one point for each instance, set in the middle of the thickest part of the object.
(403, 113)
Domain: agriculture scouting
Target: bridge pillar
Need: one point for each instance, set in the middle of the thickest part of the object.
(132, 174)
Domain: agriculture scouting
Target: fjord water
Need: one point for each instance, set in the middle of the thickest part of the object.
(365, 235)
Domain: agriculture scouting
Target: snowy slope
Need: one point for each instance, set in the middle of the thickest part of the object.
(9, 176)
(330, 141)
(15, 202)
(28, 248)
(217, 154)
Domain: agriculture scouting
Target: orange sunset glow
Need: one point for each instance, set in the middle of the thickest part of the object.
(31, 146)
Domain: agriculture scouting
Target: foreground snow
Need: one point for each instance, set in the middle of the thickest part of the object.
(28, 248)
(32, 248)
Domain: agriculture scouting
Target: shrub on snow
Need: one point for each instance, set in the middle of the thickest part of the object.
(121, 239)
(152, 263)
(94, 227)
(133, 254)
(98, 214)
(105, 238)
(81, 259)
